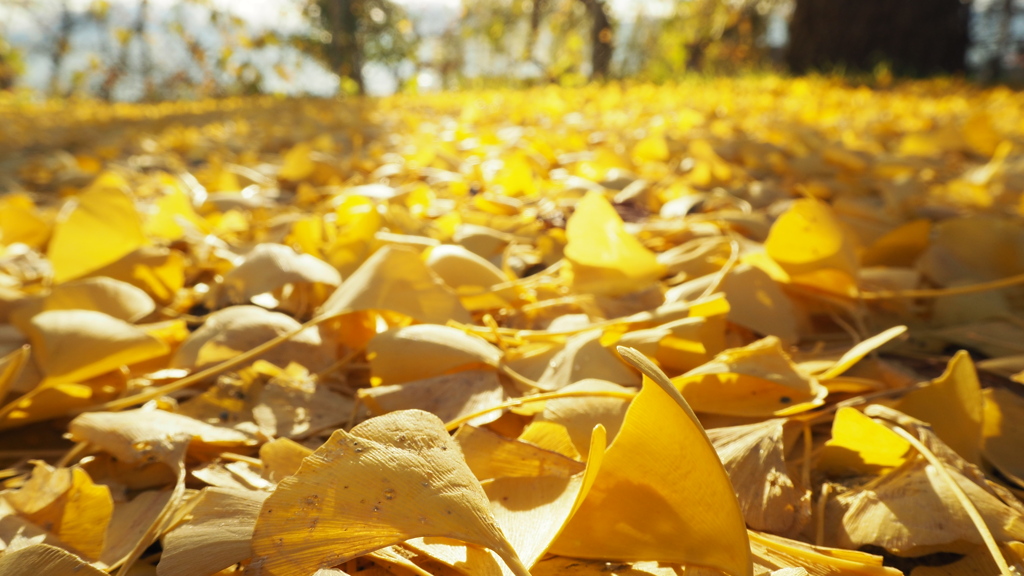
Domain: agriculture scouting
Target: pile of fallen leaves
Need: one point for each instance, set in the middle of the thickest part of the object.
(731, 326)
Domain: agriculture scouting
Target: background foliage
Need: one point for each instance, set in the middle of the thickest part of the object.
(155, 50)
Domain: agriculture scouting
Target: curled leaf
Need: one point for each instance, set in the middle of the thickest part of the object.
(74, 345)
(952, 404)
(93, 230)
(426, 350)
(754, 457)
(667, 500)
(604, 257)
(756, 380)
(236, 329)
(276, 276)
(396, 279)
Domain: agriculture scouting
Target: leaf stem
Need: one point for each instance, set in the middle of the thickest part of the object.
(940, 292)
(192, 379)
(961, 496)
(454, 424)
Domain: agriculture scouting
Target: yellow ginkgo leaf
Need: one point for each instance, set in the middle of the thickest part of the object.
(532, 512)
(490, 455)
(952, 404)
(75, 345)
(861, 446)
(604, 257)
(50, 400)
(901, 246)
(860, 350)
(396, 279)
(580, 415)
(392, 478)
(483, 241)
(756, 380)
(297, 164)
(396, 556)
(282, 457)
(754, 457)
(93, 230)
(159, 271)
(972, 249)
(426, 350)
(133, 522)
(470, 275)
(530, 505)
(21, 221)
(662, 493)
(112, 297)
(809, 243)
(458, 557)
(1002, 434)
(171, 214)
(11, 366)
(561, 566)
(68, 504)
(293, 404)
(516, 176)
(652, 148)
(352, 238)
(551, 436)
(680, 345)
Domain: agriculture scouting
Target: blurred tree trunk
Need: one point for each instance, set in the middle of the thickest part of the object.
(61, 43)
(915, 37)
(1005, 40)
(601, 38)
(119, 68)
(344, 53)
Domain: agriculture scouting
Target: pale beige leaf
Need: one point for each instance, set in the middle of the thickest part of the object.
(297, 282)
(112, 297)
(914, 508)
(151, 435)
(490, 455)
(396, 279)
(426, 350)
(282, 457)
(584, 357)
(392, 478)
(44, 559)
(447, 396)
(235, 329)
(217, 535)
(133, 521)
(754, 457)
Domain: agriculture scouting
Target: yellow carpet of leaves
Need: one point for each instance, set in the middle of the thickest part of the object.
(736, 326)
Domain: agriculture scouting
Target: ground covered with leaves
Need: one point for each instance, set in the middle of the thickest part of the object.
(754, 326)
